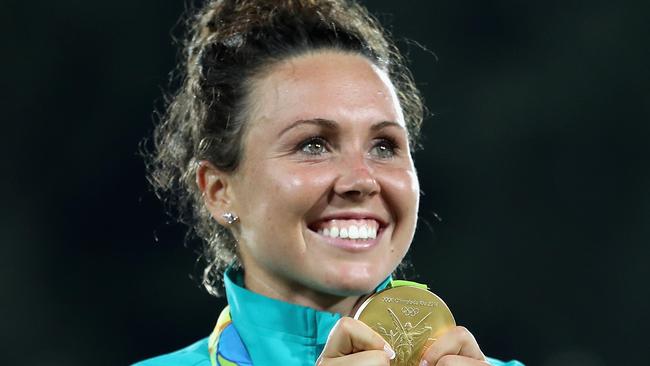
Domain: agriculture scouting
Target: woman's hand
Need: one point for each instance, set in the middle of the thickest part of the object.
(351, 342)
(456, 347)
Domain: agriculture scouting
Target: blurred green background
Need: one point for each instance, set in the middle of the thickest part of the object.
(536, 208)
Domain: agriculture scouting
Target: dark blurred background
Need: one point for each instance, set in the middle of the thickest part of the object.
(535, 161)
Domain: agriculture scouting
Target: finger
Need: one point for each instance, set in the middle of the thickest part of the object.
(365, 358)
(456, 341)
(350, 336)
(455, 360)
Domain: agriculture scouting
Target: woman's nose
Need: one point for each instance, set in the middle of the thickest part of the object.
(356, 180)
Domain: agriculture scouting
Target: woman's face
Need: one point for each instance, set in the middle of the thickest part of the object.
(326, 193)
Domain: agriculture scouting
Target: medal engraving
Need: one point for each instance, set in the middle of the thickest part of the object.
(408, 318)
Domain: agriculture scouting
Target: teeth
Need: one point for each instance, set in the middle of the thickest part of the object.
(343, 233)
(353, 232)
(372, 233)
(334, 232)
(350, 232)
(363, 232)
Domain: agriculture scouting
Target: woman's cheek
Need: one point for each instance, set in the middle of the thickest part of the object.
(308, 180)
(402, 187)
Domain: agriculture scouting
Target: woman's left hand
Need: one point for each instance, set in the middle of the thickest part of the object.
(456, 347)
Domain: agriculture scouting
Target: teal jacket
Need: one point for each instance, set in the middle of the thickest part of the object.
(257, 330)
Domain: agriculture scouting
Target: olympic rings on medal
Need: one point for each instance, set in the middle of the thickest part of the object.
(410, 311)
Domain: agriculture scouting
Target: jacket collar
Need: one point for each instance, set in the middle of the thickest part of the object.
(273, 331)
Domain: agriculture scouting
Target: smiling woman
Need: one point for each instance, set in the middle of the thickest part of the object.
(288, 151)
(328, 141)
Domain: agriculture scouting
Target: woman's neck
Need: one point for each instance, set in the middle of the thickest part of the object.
(299, 294)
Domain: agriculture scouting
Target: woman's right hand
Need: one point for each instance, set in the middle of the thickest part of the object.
(351, 342)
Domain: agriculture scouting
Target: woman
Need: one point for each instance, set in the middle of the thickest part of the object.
(288, 150)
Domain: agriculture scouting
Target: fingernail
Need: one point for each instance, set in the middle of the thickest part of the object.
(389, 351)
(424, 363)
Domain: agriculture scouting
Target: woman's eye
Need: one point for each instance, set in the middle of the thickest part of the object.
(313, 146)
(383, 149)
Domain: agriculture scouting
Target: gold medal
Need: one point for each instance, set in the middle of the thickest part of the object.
(409, 318)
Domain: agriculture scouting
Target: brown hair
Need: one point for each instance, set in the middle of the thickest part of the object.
(229, 43)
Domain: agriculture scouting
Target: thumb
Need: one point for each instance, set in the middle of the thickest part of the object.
(351, 336)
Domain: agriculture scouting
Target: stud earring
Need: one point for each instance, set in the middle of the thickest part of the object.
(230, 217)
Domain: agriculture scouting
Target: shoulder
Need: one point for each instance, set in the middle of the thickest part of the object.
(495, 362)
(195, 354)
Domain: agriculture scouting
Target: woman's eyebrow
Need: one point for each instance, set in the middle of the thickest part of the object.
(332, 125)
(321, 122)
(381, 125)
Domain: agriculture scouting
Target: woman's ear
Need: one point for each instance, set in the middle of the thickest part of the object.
(215, 190)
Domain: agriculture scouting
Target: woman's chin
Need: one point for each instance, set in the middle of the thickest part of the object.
(355, 281)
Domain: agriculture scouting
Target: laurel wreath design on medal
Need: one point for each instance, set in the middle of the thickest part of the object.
(405, 337)
(408, 318)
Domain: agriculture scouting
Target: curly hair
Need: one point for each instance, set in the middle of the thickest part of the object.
(228, 44)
